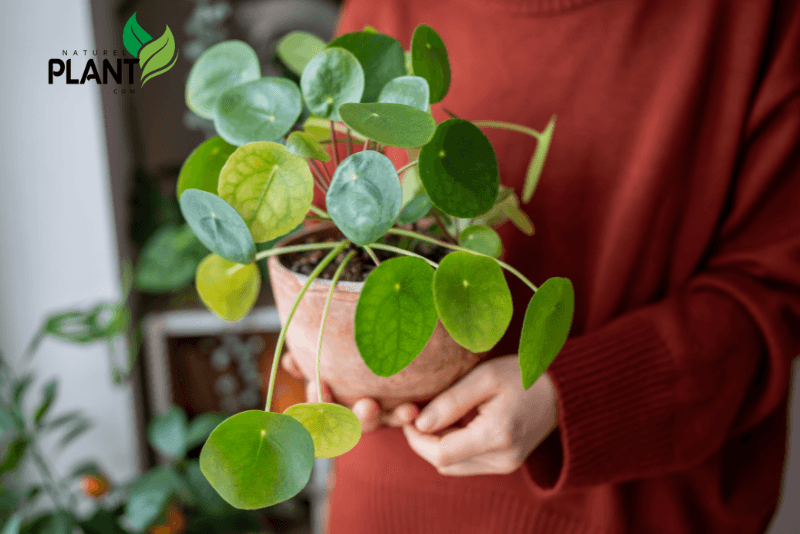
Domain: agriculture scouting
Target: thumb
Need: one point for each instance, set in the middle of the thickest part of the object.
(457, 401)
(289, 365)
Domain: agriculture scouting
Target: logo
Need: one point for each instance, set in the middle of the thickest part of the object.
(156, 56)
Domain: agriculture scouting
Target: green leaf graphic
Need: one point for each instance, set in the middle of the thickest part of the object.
(134, 36)
(157, 57)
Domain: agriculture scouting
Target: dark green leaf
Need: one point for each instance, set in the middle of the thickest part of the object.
(364, 196)
(458, 168)
(60, 523)
(67, 418)
(473, 300)
(537, 161)
(429, 60)
(11, 420)
(218, 226)
(416, 208)
(395, 315)
(335, 429)
(256, 459)
(381, 57)
(332, 78)
(409, 90)
(149, 495)
(20, 388)
(80, 428)
(102, 522)
(221, 67)
(168, 432)
(207, 497)
(201, 426)
(48, 395)
(545, 328)
(134, 36)
(261, 110)
(297, 48)
(201, 168)
(270, 187)
(389, 124)
(13, 454)
(169, 260)
(481, 239)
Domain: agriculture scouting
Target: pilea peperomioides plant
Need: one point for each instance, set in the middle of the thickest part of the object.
(360, 89)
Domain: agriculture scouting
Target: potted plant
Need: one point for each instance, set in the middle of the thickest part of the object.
(255, 182)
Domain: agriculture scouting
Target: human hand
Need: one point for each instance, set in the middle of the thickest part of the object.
(509, 424)
(367, 410)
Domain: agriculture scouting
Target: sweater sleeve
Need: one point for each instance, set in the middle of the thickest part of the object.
(661, 388)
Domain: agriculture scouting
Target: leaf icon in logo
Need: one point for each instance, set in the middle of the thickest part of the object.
(134, 36)
(158, 56)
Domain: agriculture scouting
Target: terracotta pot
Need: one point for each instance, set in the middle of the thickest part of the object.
(441, 362)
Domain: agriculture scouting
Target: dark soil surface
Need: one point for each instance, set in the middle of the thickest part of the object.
(361, 264)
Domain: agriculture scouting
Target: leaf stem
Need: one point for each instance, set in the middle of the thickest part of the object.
(407, 233)
(320, 213)
(508, 126)
(294, 248)
(333, 145)
(349, 147)
(404, 168)
(319, 181)
(322, 170)
(334, 281)
(282, 337)
(403, 252)
(372, 255)
(443, 225)
(366, 144)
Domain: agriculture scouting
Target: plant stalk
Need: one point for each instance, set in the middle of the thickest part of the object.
(366, 144)
(333, 145)
(407, 166)
(282, 337)
(406, 233)
(334, 281)
(318, 180)
(322, 170)
(349, 143)
(372, 255)
(282, 250)
(320, 213)
(443, 225)
(508, 126)
(403, 252)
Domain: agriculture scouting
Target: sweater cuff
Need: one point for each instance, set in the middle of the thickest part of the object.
(616, 391)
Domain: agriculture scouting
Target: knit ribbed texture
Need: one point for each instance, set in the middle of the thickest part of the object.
(615, 391)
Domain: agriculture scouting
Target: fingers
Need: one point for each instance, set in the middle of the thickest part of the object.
(458, 400)
(455, 445)
(402, 415)
(289, 365)
(368, 412)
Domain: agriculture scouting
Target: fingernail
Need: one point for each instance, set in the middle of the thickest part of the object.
(425, 421)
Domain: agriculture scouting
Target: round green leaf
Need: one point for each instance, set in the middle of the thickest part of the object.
(395, 315)
(201, 168)
(364, 197)
(334, 428)
(221, 67)
(473, 300)
(168, 431)
(409, 90)
(458, 168)
(228, 294)
(381, 57)
(218, 225)
(169, 259)
(269, 186)
(297, 48)
(545, 328)
(303, 145)
(429, 60)
(256, 459)
(481, 239)
(332, 78)
(389, 124)
(261, 110)
(416, 208)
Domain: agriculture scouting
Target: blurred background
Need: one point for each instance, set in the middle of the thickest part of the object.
(132, 372)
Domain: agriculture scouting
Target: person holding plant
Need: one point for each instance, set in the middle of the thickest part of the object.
(669, 200)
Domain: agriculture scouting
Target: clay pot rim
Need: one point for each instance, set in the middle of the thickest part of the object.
(318, 284)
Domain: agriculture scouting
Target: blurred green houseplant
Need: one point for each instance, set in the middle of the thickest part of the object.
(256, 181)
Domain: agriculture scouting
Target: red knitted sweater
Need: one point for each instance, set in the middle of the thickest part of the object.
(670, 199)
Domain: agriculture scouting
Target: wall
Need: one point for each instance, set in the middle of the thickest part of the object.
(57, 236)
